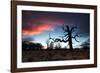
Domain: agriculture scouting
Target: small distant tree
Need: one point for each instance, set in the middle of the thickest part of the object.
(86, 44)
(58, 46)
(47, 42)
(25, 45)
(51, 45)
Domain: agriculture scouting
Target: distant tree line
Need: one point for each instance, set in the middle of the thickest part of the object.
(53, 45)
(31, 46)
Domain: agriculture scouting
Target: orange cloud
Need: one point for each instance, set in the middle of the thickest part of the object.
(36, 30)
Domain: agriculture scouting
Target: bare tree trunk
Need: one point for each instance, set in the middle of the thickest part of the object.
(70, 40)
(70, 44)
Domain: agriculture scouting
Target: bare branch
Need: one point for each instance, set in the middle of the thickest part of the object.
(57, 40)
(73, 28)
(66, 34)
(76, 40)
(63, 27)
(64, 37)
(65, 41)
(67, 27)
(75, 37)
(50, 38)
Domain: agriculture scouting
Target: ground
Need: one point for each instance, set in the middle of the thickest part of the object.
(54, 55)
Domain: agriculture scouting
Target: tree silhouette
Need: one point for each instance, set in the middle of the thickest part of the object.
(58, 46)
(47, 42)
(68, 32)
(51, 45)
(31, 46)
(86, 44)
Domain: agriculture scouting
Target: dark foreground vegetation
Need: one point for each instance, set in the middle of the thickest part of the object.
(54, 55)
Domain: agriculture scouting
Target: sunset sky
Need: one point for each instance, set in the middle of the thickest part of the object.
(37, 25)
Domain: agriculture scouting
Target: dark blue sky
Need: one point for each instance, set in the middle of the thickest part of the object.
(37, 25)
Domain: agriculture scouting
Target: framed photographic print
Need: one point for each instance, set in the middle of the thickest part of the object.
(52, 36)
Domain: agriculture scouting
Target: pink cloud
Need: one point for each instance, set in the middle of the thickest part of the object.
(36, 30)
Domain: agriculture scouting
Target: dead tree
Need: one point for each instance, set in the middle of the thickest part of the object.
(68, 31)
